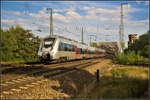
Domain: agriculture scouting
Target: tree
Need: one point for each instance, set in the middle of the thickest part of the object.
(93, 44)
(8, 45)
(141, 45)
(18, 44)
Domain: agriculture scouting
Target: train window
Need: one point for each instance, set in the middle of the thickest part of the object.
(61, 48)
(80, 51)
(73, 48)
(91, 52)
(48, 42)
(65, 47)
(83, 51)
(49, 39)
(69, 47)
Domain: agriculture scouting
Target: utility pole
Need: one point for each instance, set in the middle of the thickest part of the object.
(82, 35)
(51, 20)
(121, 31)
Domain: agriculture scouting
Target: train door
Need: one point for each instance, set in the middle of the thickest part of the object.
(76, 52)
(87, 53)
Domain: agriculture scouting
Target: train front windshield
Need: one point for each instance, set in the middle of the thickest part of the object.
(48, 42)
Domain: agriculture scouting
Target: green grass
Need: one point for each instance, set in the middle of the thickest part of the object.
(19, 61)
(121, 82)
(130, 58)
(12, 62)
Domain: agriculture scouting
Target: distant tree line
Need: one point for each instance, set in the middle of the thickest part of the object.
(140, 46)
(18, 44)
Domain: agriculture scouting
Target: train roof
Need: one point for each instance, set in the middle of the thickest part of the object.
(57, 36)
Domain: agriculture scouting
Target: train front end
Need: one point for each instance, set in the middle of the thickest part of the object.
(45, 49)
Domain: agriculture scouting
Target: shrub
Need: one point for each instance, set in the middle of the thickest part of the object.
(130, 58)
(18, 44)
(141, 44)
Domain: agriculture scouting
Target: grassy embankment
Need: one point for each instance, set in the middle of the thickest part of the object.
(122, 82)
(19, 61)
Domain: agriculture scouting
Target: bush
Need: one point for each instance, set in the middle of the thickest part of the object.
(140, 45)
(18, 44)
(130, 58)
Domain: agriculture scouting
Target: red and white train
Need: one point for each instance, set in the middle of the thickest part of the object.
(60, 48)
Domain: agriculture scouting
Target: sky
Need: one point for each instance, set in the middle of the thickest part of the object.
(99, 18)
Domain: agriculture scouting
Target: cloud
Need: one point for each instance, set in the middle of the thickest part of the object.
(146, 2)
(17, 13)
(68, 20)
(69, 16)
(7, 21)
(60, 17)
(41, 14)
(73, 15)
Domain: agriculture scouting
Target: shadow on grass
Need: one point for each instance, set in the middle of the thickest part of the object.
(124, 87)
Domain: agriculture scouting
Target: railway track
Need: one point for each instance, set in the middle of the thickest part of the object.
(34, 70)
(8, 68)
(32, 79)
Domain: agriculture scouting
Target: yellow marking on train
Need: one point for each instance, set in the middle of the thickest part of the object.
(66, 42)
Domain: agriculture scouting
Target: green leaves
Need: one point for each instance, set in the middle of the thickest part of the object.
(18, 44)
(130, 58)
(137, 52)
(93, 44)
(141, 45)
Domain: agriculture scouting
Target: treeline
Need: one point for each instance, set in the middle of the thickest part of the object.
(141, 45)
(137, 52)
(18, 44)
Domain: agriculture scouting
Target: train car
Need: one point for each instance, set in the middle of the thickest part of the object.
(59, 48)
